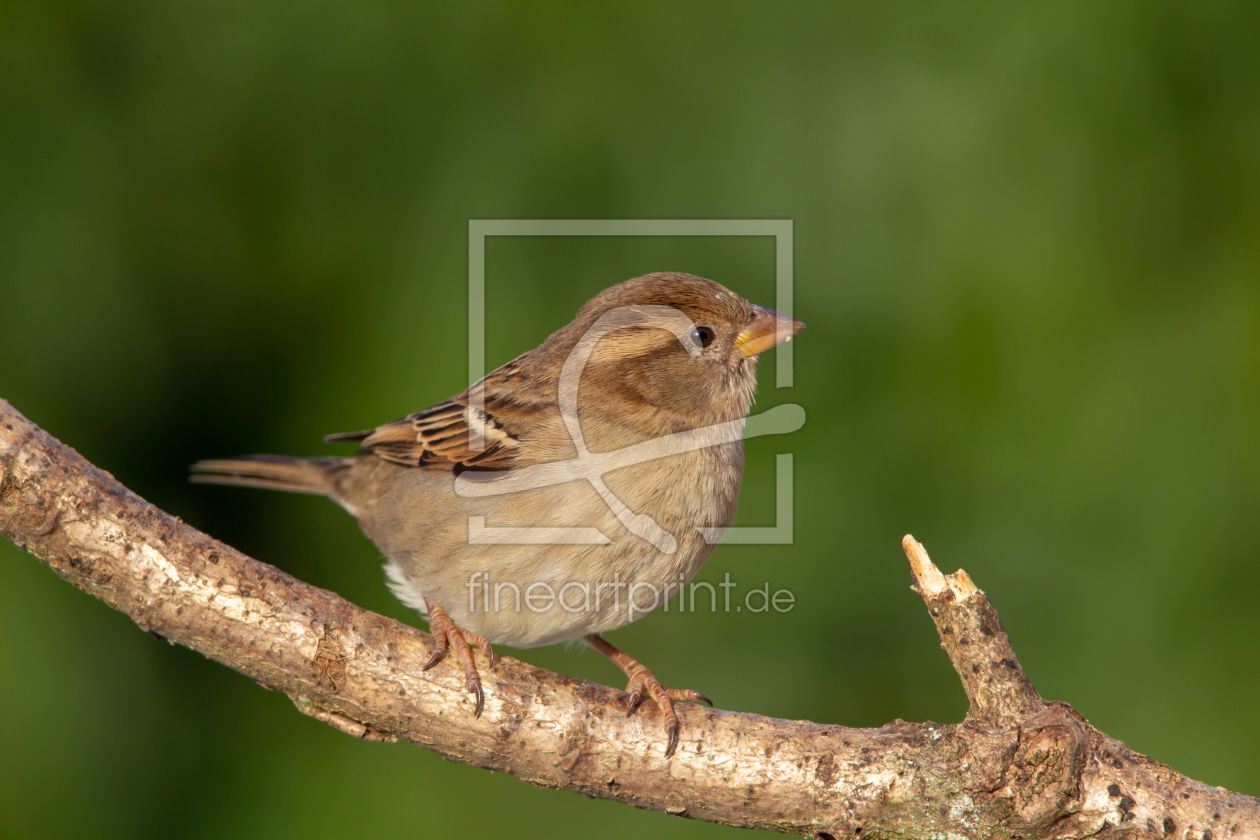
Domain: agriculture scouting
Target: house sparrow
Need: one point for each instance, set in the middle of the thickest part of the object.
(570, 491)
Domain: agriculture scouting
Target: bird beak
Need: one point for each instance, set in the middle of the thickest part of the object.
(767, 329)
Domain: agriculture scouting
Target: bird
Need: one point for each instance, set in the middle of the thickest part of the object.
(562, 495)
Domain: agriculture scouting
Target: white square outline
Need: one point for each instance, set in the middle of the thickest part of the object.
(781, 229)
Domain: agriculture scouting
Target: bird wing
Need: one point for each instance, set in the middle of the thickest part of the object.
(457, 434)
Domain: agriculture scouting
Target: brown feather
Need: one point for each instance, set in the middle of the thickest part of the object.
(273, 472)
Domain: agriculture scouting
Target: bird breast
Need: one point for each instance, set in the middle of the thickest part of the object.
(538, 566)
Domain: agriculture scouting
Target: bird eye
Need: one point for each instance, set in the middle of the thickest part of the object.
(702, 336)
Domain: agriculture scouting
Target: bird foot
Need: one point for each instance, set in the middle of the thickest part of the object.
(446, 635)
(642, 682)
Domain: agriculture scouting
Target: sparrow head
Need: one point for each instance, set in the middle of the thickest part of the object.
(676, 347)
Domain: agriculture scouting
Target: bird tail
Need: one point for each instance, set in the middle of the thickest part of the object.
(274, 472)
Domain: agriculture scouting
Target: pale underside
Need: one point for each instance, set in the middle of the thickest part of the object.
(423, 528)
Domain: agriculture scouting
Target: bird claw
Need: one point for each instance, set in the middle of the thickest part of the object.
(439, 651)
(475, 687)
(688, 695)
(446, 635)
(642, 681)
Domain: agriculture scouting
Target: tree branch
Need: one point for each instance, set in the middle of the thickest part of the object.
(1016, 766)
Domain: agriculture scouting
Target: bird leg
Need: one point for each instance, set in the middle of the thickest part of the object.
(445, 634)
(642, 682)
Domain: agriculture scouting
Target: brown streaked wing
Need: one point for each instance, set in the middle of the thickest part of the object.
(441, 437)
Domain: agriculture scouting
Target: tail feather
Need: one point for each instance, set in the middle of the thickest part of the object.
(273, 472)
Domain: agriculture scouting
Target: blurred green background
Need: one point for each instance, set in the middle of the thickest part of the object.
(1027, 246)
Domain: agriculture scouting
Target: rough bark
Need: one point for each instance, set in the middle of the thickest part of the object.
(1017, 766)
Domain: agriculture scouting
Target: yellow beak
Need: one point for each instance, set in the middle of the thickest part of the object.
(767, 329)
